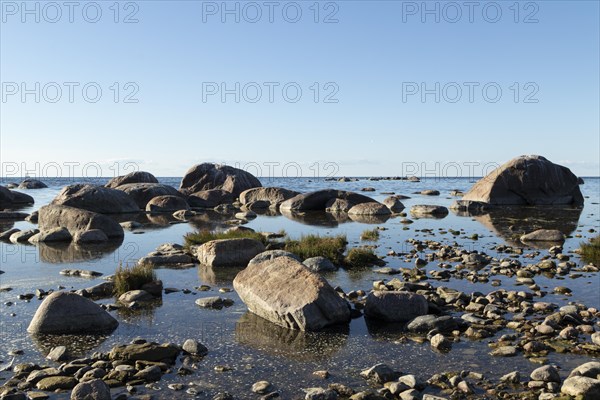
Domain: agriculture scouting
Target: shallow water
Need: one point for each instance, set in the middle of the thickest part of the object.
(258, 350)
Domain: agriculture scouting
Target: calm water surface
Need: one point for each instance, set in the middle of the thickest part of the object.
(258, 350)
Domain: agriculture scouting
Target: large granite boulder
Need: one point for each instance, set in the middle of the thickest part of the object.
(216, 176)
(528, 180)
(272, 195)
(395, 306)
(321, 199)
(288, 294)
(69, 313)
(210, 198)
(142, 193)
(133, 177)
(75, 219)
(229, 252)
(97, 199)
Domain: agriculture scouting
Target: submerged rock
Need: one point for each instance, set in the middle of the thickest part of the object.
(287, 293)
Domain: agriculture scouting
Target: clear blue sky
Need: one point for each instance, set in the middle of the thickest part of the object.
(369, 55)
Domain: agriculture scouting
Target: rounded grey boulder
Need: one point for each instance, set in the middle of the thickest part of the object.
(95, 389)
(66, 313)
(395, 306)
(96, 199)
(133, 177)
(216, 176)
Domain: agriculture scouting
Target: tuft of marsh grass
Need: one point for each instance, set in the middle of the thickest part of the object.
(360, 257)
(331, 247)
(201, 237)
(132, 278)
(370, 234)
(590, 251)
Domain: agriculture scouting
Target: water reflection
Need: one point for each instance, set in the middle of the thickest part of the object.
(254, 331)
(370, 219)
(217, 275)
(77, 345)
(56, 253)
(316, 218)
(210, 220)
(511, 222)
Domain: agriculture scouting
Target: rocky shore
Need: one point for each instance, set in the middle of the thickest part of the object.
(284, 283)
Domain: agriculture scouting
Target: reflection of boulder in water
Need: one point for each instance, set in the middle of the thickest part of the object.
(385, 331)
(209, 220)
(6, 225)
(56, 253)
(370, 219)
(315, 218)
(143, 313)
(77, 345)
(254, 331)
(217, 275)
(267, 212)
(511, 222)
(162, 220)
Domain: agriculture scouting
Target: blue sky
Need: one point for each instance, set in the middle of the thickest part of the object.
(367, 61)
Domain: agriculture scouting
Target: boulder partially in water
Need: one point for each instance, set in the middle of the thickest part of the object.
(69, 313)
(229, 252)
(216, 176)
(272, 195)
(75, 219)
(287, 293)
(133, 177)
(142, 193)
(395, 306)
(321, 199)
(167, 204)
(97, 199)
(32, 184)
(10, 198)
(528, 180)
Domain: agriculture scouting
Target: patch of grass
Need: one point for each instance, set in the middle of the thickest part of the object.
(132, 278)
(315, 245)
(201, 237)
(360, 257)
(590, 251)
(370, 234)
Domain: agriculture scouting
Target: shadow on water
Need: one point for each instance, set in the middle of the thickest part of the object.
(256, 332)
(511, 222)
(77, 345)
(57, 253)
(217, 275)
